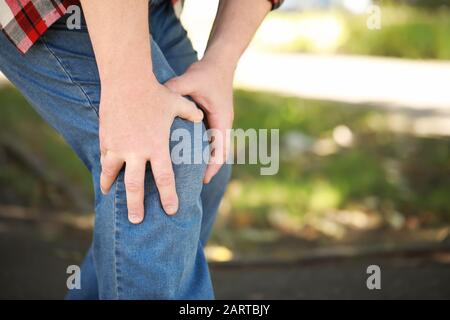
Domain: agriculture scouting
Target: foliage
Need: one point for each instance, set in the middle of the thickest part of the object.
(381, 172)
(405, 31)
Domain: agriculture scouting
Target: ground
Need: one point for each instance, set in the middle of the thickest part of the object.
(421, 276)
(35, 254)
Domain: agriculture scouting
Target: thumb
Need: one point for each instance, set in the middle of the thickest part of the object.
(180, 85)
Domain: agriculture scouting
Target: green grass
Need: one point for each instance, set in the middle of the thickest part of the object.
(22, 126)
(381, 172)
(406, 32)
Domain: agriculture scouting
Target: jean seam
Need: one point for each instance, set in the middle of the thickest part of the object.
(92, 107)
(116, 251)
(67, 73)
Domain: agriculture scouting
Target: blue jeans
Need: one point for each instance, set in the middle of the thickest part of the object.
(163, 257)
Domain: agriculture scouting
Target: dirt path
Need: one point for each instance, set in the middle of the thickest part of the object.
(402, 277)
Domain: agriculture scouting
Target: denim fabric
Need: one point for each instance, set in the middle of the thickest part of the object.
(163, 257)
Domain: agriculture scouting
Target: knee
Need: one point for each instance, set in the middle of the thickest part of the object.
(189, 149)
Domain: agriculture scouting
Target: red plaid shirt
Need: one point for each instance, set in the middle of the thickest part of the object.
(24, 21)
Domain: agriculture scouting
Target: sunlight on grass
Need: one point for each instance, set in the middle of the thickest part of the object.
(406, 31)
(317, 32)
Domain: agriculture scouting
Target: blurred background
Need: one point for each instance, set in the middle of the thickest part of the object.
(360, 92)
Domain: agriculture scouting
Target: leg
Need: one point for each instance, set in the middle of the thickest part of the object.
(161, 258)
(172, 39)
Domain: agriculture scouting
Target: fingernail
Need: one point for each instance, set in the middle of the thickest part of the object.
(135, 219)
(171, 210)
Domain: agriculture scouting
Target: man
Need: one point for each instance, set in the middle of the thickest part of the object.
(116, 91)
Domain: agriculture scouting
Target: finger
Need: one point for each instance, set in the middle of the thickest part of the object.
(219, 147)
(134, 185)
(165, 181)
(186, 109)
(211, 171)
(111, 166)
(216, 161)
(181, 85)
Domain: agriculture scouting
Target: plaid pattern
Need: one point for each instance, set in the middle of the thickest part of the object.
(24, 21)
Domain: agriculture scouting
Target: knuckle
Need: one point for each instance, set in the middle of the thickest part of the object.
(133, 185)
(164, 179)
(168, 201)
(108, 172)
(168, 197)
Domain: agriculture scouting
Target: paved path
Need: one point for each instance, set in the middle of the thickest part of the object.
(355, 79)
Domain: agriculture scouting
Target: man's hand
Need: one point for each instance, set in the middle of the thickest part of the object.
(210, 81)
(136, 112)
(210, 84)
(139, 133)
